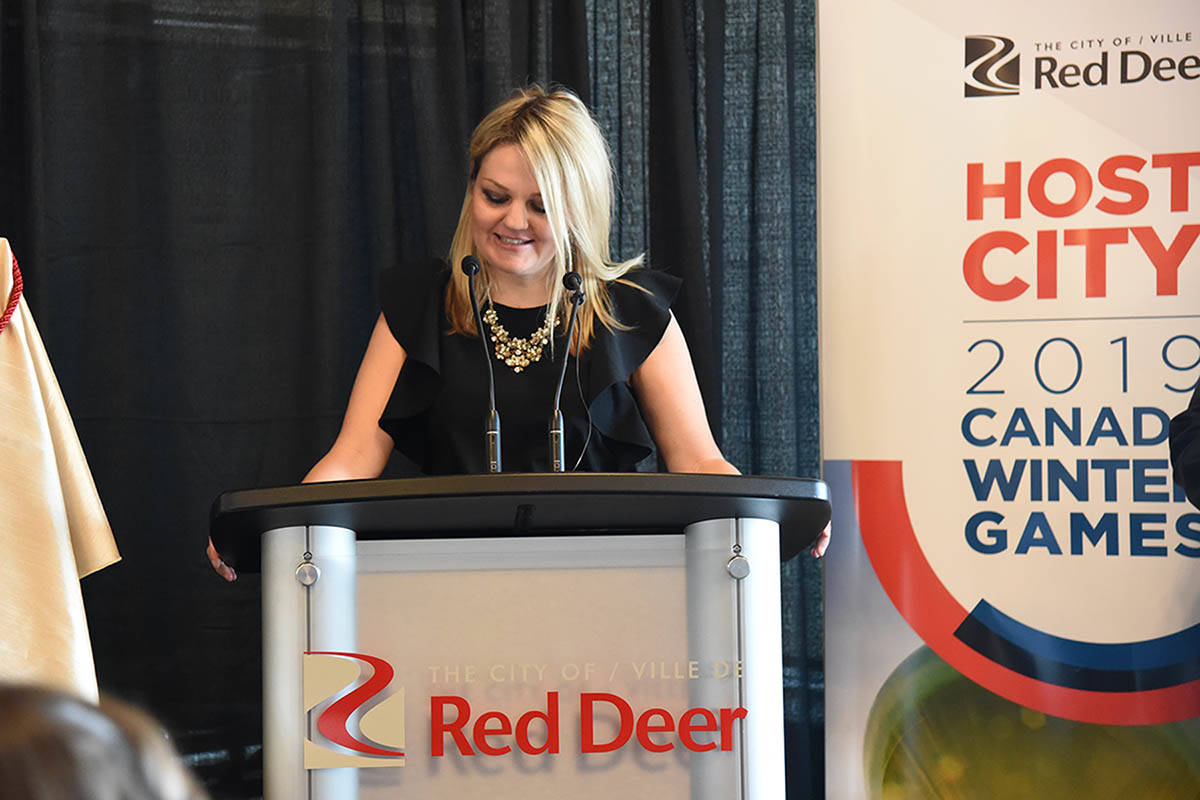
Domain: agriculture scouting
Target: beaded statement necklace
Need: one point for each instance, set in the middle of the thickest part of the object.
(516, 352)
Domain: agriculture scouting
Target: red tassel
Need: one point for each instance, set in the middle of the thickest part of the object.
(14, 298)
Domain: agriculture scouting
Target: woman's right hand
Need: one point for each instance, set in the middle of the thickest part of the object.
(223, 569)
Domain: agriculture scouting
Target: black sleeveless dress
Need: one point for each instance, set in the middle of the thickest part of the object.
(438, 407)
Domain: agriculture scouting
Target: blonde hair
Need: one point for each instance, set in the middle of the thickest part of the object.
(571, 162)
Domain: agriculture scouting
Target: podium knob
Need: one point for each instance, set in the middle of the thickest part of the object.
(738, 567)
(308, 573)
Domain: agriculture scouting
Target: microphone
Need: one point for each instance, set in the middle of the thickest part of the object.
(573, 284)
(491, 431)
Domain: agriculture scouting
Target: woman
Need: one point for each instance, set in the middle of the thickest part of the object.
(538, 204)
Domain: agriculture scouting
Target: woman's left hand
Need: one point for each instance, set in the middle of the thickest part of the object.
(822, 542)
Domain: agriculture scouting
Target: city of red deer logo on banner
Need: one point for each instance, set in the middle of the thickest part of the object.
(992, 64)
(993, 67)
(357, 713)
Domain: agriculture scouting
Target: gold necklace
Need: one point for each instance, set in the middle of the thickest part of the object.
(516, 352)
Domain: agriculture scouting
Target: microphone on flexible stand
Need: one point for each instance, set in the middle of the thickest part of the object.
(573, 284)
(470, 266)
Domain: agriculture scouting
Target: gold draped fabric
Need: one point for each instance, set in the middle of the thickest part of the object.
(53, 530)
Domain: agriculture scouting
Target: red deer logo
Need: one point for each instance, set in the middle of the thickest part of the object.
(356, 711)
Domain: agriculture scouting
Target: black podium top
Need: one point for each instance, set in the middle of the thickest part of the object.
(516, 504)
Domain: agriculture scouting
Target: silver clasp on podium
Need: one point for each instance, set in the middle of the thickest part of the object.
(307, 573)
(738, 565)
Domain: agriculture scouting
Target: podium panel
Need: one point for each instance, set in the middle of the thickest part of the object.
(515, 629)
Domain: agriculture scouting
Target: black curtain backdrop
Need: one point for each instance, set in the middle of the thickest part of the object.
(202, 195)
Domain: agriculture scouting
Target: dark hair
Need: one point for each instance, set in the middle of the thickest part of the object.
(55, 746)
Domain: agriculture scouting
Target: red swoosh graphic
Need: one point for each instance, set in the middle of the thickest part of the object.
(925, 602)
(332, 722)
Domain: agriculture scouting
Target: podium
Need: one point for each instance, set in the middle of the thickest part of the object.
(522, 635)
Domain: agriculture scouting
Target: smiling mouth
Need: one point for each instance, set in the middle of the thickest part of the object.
(513, 242)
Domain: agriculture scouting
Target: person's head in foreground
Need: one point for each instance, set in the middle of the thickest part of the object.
(55, 746)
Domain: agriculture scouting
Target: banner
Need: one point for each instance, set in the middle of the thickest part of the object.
(1010, 300)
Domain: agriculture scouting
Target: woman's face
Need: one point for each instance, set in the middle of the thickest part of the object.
(511, 232)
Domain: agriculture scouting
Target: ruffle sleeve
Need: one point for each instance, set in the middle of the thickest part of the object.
(616, 355)
(411, 299)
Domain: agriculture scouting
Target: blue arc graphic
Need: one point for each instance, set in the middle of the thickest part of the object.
(1123, 667)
